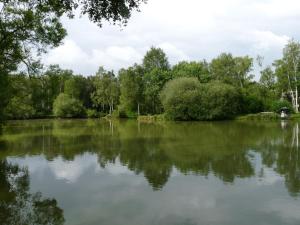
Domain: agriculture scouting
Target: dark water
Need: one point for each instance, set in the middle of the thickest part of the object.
(94, 172)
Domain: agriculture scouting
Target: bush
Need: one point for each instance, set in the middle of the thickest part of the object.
(181, 99)
(123, 113)
(221, 101)
(251, 104)
(187, 99)
(65, 106)
(277, 105)
(92, 113)
(19, 108)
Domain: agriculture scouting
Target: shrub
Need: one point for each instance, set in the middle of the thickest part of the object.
(277, 105)
(251, 104)
(181, 99)
(65, 106)
(92, 113)
(187, 99)
(123, 113)
(221, 101)
(19, 108)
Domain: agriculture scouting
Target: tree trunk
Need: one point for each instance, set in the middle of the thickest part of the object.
(296, 99)
(138, 109)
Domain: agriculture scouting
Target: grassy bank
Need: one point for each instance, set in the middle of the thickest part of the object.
(151, 118)
(264, 116)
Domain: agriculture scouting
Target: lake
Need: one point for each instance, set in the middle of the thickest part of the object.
(122, 172)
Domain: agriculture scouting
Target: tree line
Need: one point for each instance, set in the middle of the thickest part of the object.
(196, 90)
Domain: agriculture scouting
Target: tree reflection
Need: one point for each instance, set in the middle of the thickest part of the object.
(18, 206)
(218, 148)
(281, 152)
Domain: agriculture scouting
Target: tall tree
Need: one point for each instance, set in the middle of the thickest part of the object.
(157, 73)
(231, 70)
(106, 90)
(199, 70)
(131, 88)
(267, 78)
(155, 58)
(287, 71)
(56, 78)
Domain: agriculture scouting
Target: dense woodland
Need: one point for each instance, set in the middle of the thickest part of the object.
(197, 90)
(200, 90)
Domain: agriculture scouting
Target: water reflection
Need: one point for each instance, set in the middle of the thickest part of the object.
(18, 205)
(222, 149)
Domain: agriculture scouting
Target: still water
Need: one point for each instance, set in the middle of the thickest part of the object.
(94, 172)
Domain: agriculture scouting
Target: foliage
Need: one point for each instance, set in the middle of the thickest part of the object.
(187, 99)
(182, 98)
(154, 82)
(29, 27)
(106, 91)
(4, 94)
(155, 58)
(221, 101)
(287, 72)
(199, 70)
(65, 106)
(252, 99)
(200, 90)
(92, 113)
(231, 70)
(131, 89)
(277, 105)
(267, 78)
(19, 108)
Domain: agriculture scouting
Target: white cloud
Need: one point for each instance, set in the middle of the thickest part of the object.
(72, 170)
(70, 55)
(186, 30)
(266, 40)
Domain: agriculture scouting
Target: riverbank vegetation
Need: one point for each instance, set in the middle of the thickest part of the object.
(220, 89)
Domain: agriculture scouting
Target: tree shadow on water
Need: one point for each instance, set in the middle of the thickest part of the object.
(20, 207)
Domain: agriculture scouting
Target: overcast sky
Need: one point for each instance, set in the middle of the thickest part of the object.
(185, 30)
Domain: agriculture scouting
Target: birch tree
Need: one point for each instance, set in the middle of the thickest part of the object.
(287, 71)
(106, 90)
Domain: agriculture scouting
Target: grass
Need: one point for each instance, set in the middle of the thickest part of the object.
(151, 118)
(267, 116)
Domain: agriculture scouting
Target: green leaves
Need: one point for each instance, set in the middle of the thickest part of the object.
(188, 99)
(65, 106)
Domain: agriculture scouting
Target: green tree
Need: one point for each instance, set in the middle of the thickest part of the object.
(65, 106)
(157, 73)
(131, 89)
(231, 70)
(182, 99)
(222, 101)
(20, 106)
(287, 71)
(78, 87)
(55, 81)
(106, 91)
(267, 78)
(155, 58)
(188, 99)
(199, 70)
